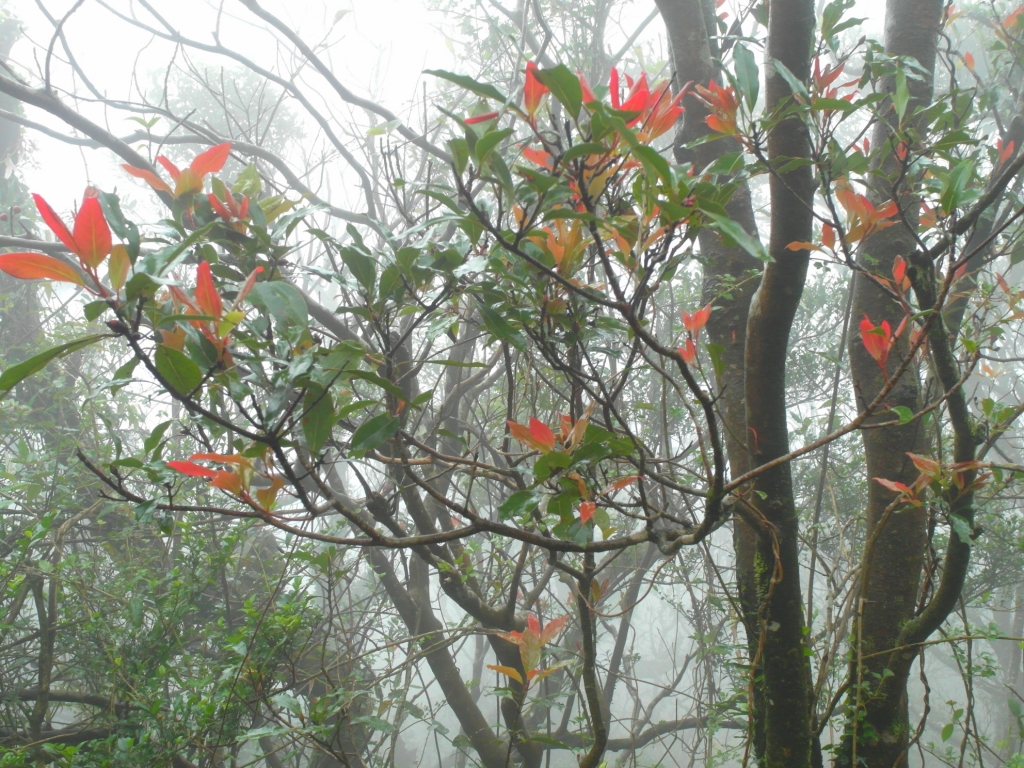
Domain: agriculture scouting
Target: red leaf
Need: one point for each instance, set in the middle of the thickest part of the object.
(53, 221)
(36, 266)
(696, 321)
(218, 207)
(899, 274)
(148, 176)
(588, 92)
(587, 511)
(206, 292)
(542, 433)
(876, 339)
(212, 160)
(480, 118)
(170, 167)
(893, 486)
(533, 90)
(613, 85)
(191, 469)
(552, 628)
(92, 235)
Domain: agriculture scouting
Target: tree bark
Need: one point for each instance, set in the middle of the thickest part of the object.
(773, 308)
(894, 557)
(730, 278)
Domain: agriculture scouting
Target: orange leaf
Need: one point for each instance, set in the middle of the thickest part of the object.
(622, 482)
(54, 222)
(250, 281)
(191, 469)
(507, 671)
(926, 466)
(538, 157)
(36, 266)
(212, 160)
(587, 511)
(689, 352)
(828, 236)
(267, 496)
(206, 292)
(969, 60)
(801, 245)
(148, 176)
(227, 481)
(92, 235)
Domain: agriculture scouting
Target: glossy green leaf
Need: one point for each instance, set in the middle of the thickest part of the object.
(177, 370)
(374, 432)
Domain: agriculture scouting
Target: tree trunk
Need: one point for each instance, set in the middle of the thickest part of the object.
(894, 553)
(730, 277)
(776, 565)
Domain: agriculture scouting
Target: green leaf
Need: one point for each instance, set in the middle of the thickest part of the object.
(747, 75)
(317, 417)
(962, 528)
(953, 188)
(387, 386)
(14, 374)
(374, 432)
(499, 327)
(178, 370)
(124, 229)
(795, 85)
(901, 95)
(486, 143)
(486, 90)
(94, 309)
(155, 437)
(906, 415)
(586, 149)
(248, 182)
(564, 86)
(519, 503)
(947, 731)
(362, 267)
(734, 231)
(281, 300)
(653, 162)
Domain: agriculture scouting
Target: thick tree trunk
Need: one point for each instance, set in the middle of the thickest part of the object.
(896, 540)
(730, 277)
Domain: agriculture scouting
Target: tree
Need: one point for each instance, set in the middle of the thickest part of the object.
(451, 397)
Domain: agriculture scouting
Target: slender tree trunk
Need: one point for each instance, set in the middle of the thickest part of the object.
(776, 556)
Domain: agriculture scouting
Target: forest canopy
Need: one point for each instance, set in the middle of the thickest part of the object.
(640, 388)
